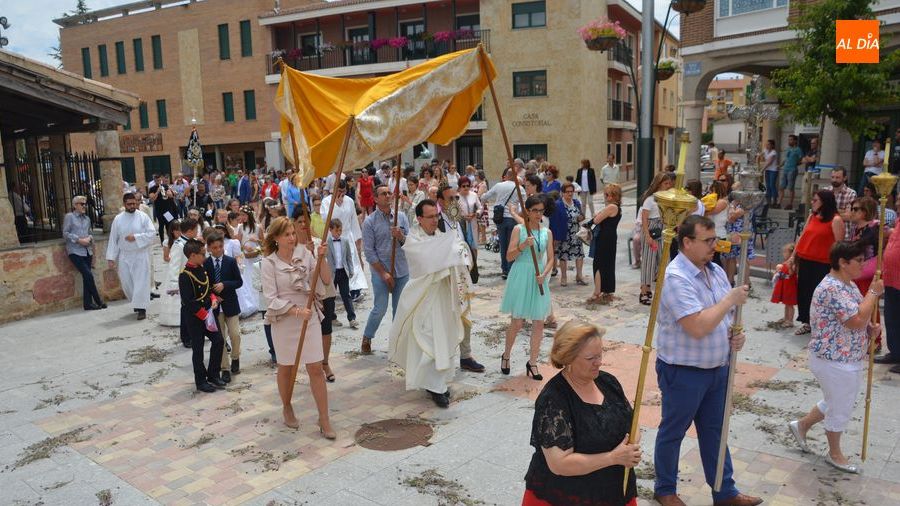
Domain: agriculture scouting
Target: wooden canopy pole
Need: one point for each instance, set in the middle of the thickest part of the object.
(509, 156)
(315, 276)
(396, 210)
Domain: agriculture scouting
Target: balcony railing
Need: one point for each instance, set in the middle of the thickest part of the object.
(626, 112)
(620, 53)
(615, 110)
(364, 54)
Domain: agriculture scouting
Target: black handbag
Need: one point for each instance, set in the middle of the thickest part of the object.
(499, 210)
(655, 233)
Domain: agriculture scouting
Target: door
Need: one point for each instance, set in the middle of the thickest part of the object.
(250, 160)
(413, 30)
(359, 55)
(469, 151)
(128, 173)
(161, 165)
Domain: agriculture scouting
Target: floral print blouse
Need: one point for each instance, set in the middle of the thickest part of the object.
(833, 303)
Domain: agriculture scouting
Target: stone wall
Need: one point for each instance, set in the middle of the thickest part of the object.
(39, 279)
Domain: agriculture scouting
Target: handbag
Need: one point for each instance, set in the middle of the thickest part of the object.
(499, 209)
(585, 233)
(655, 233)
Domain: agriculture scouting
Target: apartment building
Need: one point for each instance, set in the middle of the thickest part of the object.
(748, 37)
(721, 94)
(622, 113)
(210, 65)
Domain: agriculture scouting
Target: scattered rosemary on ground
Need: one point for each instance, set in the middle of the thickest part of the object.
(448, 492)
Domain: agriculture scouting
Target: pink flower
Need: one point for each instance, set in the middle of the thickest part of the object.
(602, 27)
(398, 42)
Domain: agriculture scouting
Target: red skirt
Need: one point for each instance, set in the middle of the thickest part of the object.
(532, 500)
(785, 291)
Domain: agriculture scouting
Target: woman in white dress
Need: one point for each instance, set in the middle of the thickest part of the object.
(251, 239)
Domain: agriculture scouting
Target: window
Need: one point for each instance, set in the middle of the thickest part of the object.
(156, 42)
(161, 114)
(664, 96)
(224, 46)
(309, 44)
(530, 151)
(246, 40)
(530, 84)
(735, 7)
(138, 54)
(104, 62)
(249, 104)
(127, 125)
(608, 148)
(161, 165)
(629, 153)
(128, 173)
(529, 15)
(120, 57)
(468, 22)
(618, 152)
(145, 117)
(228, 106)
(86, 62)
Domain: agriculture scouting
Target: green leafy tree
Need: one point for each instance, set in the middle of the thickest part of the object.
(813, 87)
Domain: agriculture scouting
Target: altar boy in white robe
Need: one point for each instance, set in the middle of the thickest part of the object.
(130, 238)
(434, 305)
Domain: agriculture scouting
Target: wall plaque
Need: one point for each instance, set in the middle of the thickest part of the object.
(135, 143)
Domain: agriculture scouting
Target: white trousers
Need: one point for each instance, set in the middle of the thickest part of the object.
(840, 384)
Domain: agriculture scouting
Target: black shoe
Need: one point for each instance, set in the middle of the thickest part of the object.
(154, 295)
(533, 372)
(887, 358)
(470, 364)
(236, 366)
(92, 307)
(504, 275)
(103, 305)
(504, 361)
(226, 376)
(206, 387)
(142, 314)
(217, 382)
(441, 400)
(186, 344)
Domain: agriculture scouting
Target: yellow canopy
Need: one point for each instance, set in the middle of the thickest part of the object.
(432, 101)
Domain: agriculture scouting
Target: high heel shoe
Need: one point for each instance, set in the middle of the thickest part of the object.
(504, 360)
(327, 434)
(531, 372)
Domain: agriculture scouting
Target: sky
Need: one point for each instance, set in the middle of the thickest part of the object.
(32, 32)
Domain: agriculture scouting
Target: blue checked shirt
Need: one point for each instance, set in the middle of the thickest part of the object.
(688, 290)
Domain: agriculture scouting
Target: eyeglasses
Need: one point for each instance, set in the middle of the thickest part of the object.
(80, 203)
(432, 217)
(536, 210)
(710, 241)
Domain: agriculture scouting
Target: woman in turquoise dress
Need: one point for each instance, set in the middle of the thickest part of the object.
(521, 298)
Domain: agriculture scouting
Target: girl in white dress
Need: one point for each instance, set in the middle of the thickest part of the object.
(250, 246)
(170, 300)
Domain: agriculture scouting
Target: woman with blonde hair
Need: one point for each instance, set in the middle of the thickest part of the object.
(580, 428)
(651, 229)
(603, 245)
(287, 271)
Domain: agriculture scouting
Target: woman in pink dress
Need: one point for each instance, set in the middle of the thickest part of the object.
(287, 271)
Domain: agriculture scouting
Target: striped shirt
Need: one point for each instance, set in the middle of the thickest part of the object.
(688, 290)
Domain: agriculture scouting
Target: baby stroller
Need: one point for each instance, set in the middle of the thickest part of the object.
(493, 243)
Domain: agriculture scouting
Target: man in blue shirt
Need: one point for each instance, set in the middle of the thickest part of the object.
(693, 329)
(792, 156)
(378, 234)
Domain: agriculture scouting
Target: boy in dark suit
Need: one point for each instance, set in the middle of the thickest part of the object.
(197, 302)
(341, 264)
(225, 276)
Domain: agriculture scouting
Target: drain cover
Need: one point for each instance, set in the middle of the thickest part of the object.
(394, 434)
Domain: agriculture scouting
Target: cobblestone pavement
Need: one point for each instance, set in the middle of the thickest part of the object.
(97, 407)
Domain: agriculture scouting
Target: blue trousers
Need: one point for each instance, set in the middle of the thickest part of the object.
(691, 395)
(772, 185)
(504, 230)
(89, 288)
(379, 307)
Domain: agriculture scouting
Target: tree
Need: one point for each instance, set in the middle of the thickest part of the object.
(813, 87)
(81, 9)
(56, 52)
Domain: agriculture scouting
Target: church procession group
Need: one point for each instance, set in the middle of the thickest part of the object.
(411, 239)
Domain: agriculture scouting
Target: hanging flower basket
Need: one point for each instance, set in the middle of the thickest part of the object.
(664, 74)
(688, 6)
(666, 69)
(601, 43)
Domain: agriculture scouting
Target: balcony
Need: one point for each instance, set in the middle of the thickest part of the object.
(626, 112)
(620, 57)
(363, 58)
(615, 110)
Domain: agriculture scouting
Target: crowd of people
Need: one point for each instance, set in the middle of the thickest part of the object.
(237, 248)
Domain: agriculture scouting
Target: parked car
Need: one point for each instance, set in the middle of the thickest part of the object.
(706, 162)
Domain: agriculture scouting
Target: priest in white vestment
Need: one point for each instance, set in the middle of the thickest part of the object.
(351, 233)
(130, 239)
(433, 308)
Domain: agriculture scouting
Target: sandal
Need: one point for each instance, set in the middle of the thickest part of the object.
(594, 299)
(646, 298)
(550, 324)
(579, 281)
(329, 376)
(563, 283)
(804, 329)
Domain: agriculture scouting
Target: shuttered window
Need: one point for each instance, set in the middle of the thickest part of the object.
(246, 41)
(228, 106)
(86, 62)
(224, 46)
(249, 104)
(156, 43)
(138, 45)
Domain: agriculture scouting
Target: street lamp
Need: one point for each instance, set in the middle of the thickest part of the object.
(5, 24)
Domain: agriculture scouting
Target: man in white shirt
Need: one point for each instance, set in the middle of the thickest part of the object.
(351, 234)
(872, 162)
(130, 238)
(769, 160)
(609, 173)
(503, 194)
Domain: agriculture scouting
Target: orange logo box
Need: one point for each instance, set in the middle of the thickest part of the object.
(857, 41)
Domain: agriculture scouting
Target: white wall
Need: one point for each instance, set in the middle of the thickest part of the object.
(727, 133)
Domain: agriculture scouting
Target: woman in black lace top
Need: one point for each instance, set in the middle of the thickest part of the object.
(580, 429)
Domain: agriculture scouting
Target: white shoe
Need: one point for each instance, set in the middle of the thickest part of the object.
(353, 324)
(795, 431)
(847, 468)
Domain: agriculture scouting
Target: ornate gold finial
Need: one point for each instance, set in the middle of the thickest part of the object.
(676, 203)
